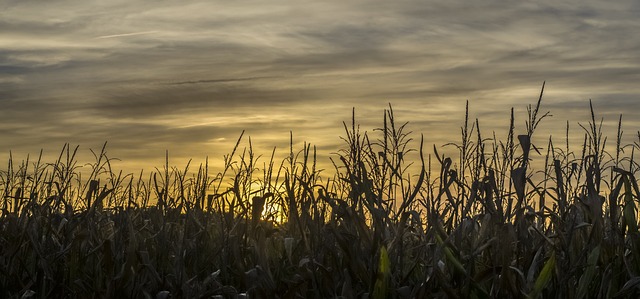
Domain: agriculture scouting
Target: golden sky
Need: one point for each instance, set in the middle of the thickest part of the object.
(189, 76)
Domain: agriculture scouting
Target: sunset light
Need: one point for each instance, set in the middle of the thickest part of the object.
(319, 149)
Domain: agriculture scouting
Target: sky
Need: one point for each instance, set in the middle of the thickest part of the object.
(189, 76)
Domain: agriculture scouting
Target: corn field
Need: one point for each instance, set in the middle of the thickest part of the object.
(504, 219)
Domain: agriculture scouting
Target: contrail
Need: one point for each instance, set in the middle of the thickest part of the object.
(126, 34)
(218, 80)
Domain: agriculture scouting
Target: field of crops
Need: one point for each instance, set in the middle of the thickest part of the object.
(504, 218)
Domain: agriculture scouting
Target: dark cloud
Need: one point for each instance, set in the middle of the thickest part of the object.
(156, 102)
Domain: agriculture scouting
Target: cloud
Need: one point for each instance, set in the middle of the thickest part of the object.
(204, 81)
(126, 34)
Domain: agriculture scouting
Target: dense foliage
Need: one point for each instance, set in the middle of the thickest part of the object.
(487, 224)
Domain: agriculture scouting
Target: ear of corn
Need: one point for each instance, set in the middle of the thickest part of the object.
(380, 286)
(544, 277)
